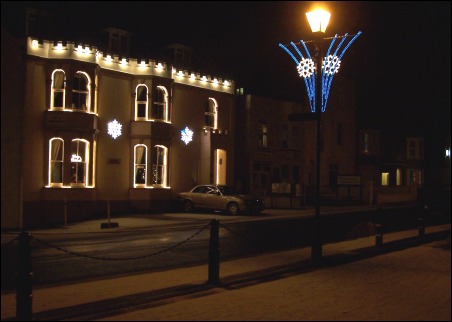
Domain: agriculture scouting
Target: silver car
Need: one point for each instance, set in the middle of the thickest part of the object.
(219, 197)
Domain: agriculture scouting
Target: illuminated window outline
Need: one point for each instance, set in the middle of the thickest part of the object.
(80, 92)
(56, 162)
(211, 114)
(141, 104)
(140, 165)
(160, 170)
(160, 104)
(80, 166)
(58, 88)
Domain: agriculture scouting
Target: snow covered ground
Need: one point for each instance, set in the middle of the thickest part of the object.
(412, 284)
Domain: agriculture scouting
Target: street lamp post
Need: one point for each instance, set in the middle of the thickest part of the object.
(318, 21)
(316, 249)
(318, 76)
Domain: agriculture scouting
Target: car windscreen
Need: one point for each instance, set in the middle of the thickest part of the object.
(226, 190)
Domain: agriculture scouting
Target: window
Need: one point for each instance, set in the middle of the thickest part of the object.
(211, 113)
(79, 162)
(159, 165)
(57, 100)
(56, 153)
(160, 104)
(141, 102)
(262, 136)
(415, 148)
(80, 92)
(398, 177)
(140, 155)
(385, 178)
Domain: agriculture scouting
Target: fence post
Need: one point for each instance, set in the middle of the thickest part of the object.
(379, 227)
(214, 253)
(24, 291)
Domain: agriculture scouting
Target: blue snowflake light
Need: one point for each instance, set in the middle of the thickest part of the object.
(186, 135)
(330, 66)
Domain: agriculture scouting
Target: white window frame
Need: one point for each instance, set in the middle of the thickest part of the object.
(160, 171)
(138, 165)
(86, 92)
(139, 102)
(58, 90)
(160, 105)
(212, 112)
(75, 182)
(53, 159)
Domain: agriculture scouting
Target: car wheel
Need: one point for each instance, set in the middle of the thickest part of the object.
(233, 208)
(188, 206)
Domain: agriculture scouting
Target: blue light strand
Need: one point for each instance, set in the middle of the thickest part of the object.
(311, 80)
(307, 82)
(327, 79)
(288, 51)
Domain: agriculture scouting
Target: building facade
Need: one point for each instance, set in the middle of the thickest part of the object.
(276, 157)
(392, 166)
(106, 133)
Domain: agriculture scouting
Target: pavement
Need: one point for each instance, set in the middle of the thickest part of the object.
(186, 294)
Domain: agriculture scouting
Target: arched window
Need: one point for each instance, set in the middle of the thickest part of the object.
(141, 102)
(81, 92)
(57, 96)
(211, 113)
(79, 162)
(160, 104)
(140, 161)
(56, 153)
(160, 166)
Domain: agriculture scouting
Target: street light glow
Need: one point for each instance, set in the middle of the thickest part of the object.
(318, 20)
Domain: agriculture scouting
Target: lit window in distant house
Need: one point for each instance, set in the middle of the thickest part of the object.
(211, 114)
(384, 178)
(262, 136)
(140, 156)
(56, 153)
(79, 162)
(57, 97)
(160, 166)
(141, 102)
(398, 177)
(81, 92)
(160, 104)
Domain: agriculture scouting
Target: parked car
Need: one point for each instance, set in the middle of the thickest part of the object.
(219, 197)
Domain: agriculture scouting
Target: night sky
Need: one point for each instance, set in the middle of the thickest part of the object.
(401, 62)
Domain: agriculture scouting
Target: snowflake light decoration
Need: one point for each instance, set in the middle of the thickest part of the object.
(331, 65)
(306, 67)
(114, 129)
(186, 135)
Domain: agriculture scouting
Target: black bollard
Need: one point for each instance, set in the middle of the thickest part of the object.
(421, 221)
(24, 291)
(214, 253)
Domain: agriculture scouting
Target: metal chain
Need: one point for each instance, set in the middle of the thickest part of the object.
(129, 258)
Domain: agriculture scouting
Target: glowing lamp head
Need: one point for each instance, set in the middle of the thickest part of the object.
(318, 20)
